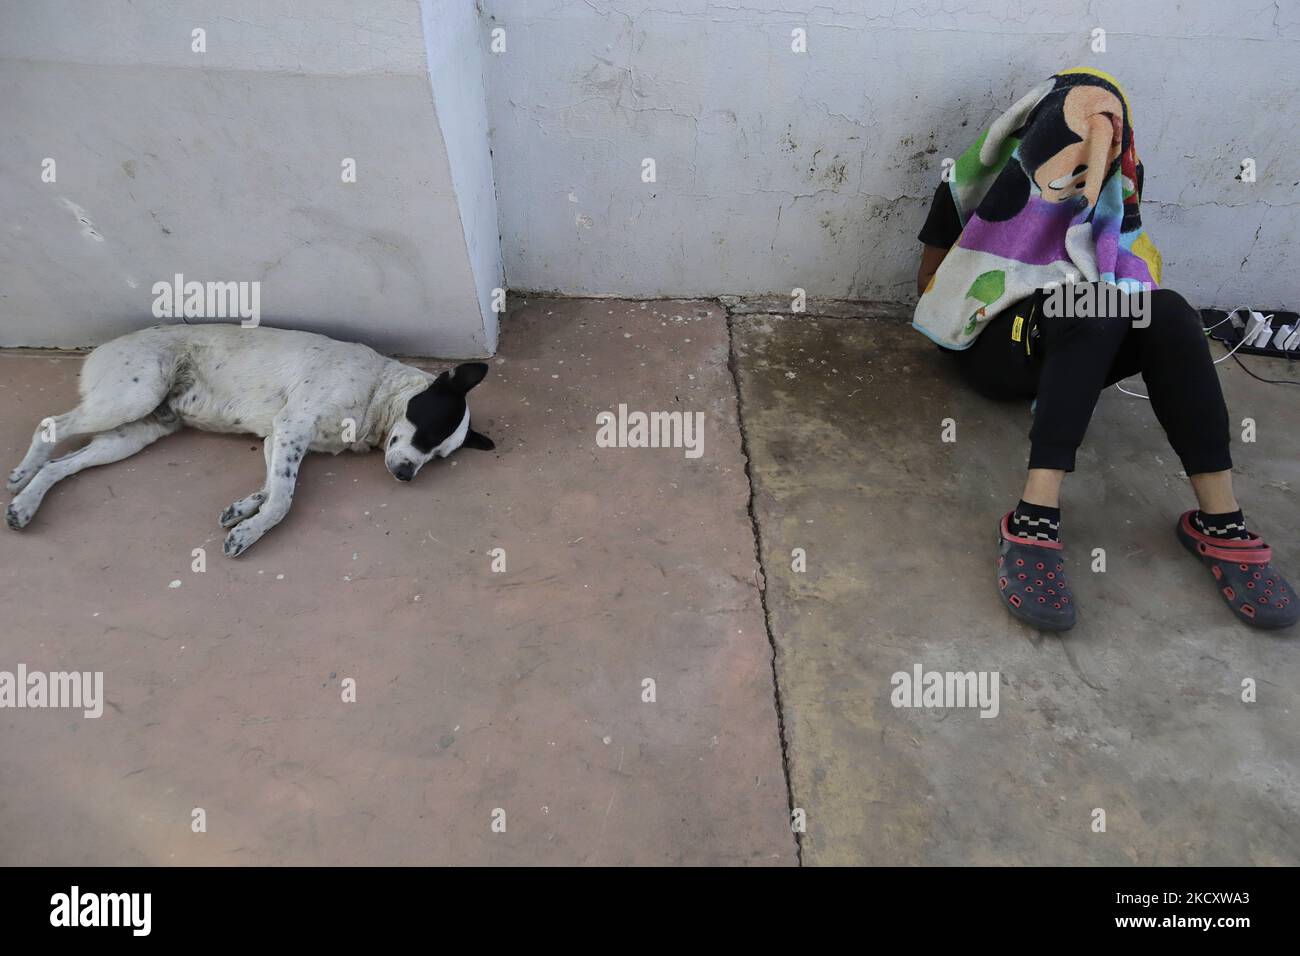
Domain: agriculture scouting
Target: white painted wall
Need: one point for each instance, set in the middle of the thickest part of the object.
(226, 166)
(775, 169)
(778, 170)
(453, 41)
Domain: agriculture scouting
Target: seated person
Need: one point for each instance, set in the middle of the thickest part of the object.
(1046, 201)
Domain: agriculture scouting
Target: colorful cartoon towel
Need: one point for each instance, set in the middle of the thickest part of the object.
(1049, 194)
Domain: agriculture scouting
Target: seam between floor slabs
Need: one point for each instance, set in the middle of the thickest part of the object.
(756, 530)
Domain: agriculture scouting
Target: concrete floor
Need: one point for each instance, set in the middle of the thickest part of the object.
(475, 690)
(1137, 711)
(523, 690)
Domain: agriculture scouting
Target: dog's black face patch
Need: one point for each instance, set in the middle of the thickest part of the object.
(436, 413)
(436, 423)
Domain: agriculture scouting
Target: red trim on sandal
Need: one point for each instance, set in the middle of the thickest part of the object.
(1252, 551)
(1028, 542)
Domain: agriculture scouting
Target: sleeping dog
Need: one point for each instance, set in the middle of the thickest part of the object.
(301, 392)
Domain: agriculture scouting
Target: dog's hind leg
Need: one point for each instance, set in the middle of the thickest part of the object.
(49, 433)
(288, 443)
(108, 446)
(105, 406)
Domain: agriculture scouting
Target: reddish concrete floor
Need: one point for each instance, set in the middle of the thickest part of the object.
(475, 690)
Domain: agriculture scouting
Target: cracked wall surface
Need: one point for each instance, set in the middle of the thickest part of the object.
(774, 170)
(778, 170)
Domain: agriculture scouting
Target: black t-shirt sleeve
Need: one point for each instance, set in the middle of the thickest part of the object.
(942, 226)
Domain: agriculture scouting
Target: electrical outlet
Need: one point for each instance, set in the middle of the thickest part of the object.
(1252, 322)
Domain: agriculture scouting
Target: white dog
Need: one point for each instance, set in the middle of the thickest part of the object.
(302, 392)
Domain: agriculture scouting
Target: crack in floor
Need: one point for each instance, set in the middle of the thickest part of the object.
(733, 366)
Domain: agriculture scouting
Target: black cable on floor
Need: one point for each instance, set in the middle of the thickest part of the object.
(1270, 381)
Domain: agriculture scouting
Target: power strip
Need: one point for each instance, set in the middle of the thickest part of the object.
(1230, 334)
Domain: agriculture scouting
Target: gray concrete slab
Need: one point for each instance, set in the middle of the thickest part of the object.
(1138, 711)
(476, 690)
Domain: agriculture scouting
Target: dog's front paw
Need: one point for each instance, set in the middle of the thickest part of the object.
(18, 479)
(18, 516)
(241, 509)
(239, 540)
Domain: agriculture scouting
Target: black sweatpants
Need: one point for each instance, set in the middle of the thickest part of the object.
(1066, 362)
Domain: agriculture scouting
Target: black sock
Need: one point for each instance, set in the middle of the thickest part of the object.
(1231, 525)
(1036, 521)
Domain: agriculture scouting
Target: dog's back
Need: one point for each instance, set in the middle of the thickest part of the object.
(223, 377)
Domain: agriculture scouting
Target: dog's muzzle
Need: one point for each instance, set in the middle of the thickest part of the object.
(404, 471)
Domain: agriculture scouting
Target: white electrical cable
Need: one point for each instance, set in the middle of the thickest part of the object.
(1134, 394)
(1257, 322)
(1211, 328)
(1252, 329)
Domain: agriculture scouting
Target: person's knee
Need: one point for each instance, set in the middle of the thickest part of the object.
(1173, 319)
(1167, 302)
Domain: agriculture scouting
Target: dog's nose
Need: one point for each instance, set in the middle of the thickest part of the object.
(404, 472)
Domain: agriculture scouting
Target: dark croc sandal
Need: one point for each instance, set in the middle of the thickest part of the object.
(1031, 580)
(1245, 576)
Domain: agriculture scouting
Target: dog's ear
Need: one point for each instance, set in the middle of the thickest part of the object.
(466, 376)
(477, 440)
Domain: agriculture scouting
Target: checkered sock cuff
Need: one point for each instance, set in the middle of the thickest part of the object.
(1036, 521)
(1231, 525)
